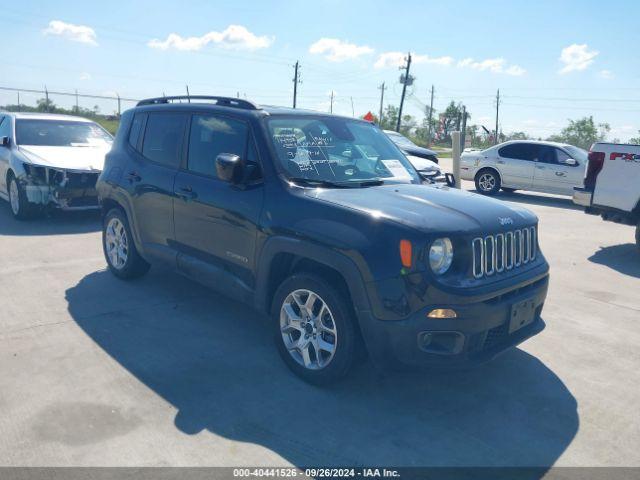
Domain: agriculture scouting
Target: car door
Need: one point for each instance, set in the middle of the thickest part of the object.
(515, 163)
(215, 221)
(553, 174)
(5, 151)
(157, 139)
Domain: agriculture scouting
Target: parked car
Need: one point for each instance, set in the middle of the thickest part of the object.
(611, 186)
(322, 222)
(49, 160)
(411, 148)
(546, 167)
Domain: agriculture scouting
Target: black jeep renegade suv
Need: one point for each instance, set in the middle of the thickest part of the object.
(322, 222)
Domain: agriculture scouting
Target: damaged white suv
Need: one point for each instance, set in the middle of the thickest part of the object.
(49, 160)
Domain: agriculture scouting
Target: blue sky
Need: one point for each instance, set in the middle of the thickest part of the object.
(467, 50)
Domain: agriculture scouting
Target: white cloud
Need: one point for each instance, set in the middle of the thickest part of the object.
(494, 65)
(606, 74)
(77, 33)
(397, 59)
(576, 57)
(85, 76)
(336, 50)
(234, 37)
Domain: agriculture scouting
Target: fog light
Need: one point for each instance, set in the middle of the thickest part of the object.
(442, 313)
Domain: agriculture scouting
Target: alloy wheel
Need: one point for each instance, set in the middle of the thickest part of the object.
(117, 243)
(14, 197)
(308, 329)
(487, 182)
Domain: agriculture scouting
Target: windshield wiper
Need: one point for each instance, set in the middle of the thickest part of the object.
(369, 182)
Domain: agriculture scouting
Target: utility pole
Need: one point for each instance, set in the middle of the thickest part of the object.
(430, 117)
(18, 100)
(463, 133)
(382, 89)
(118, 104)
(77, 108)
(295, 84)
(46, 99)
(331, 107)
(404, 91)
(495, 140)
(353, 112)
(188, 94)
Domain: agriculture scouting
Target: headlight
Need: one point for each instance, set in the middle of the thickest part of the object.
(440, 255)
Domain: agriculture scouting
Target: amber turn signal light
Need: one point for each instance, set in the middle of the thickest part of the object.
(406, 253)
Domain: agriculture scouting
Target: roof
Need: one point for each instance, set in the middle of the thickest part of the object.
(539, 142)
(244, 107)
(47, 116)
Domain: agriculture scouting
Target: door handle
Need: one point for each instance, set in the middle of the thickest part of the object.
(539, 167)
(560, 174)
(186, 193)
(133, 176)
(501, 161)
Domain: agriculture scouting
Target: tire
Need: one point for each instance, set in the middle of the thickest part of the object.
(120, 251)
(20, 207)
(488, 182)
(336, 330)
(508, 190)
(638, 235)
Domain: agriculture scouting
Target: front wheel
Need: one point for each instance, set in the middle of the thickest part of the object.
(21, 208)
(487, 182)
(121, 254)
(314, 329)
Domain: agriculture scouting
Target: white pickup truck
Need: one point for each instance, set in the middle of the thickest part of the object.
(612, 184)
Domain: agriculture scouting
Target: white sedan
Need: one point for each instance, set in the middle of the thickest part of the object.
(546, 167)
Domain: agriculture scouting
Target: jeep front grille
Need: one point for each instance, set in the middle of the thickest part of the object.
(503, 251)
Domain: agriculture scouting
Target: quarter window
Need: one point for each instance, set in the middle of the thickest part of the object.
(163, 138)
(5, 127)
(136, 129)
(561, 156)
(212, 135)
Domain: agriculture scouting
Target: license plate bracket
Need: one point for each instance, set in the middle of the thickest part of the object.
(522, 314)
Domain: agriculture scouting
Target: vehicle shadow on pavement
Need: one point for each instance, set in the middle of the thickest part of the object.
(623, 258)
(214, 360)
(541, 200)
(53, 223)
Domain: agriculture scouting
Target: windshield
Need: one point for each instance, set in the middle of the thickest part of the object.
(61, 133)
(578, 153)
(337, 150)
(401, 140)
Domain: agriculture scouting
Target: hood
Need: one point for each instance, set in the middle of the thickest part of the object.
(86, 159)
(430, 208)
(422, 164)
(418, 151)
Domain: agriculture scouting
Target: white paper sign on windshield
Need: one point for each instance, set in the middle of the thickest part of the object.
(397, 169)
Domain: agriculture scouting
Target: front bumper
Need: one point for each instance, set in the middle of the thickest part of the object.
(582, 196)
(481, 331)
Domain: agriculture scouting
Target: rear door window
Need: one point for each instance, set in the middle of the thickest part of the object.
(163, 137)
(519, 151)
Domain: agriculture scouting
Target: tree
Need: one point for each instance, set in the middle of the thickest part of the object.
(45, 105)
(389, 118)
(450, 119)
(582, 133)
(635, 140)
(517, 136)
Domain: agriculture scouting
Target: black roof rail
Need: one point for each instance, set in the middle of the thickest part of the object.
(223, 101)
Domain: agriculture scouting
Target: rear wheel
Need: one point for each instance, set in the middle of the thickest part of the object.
(314, 329)
(121, 254)
(487, 182)
(21, 208)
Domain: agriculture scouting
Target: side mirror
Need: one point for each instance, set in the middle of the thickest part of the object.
(571, 162)
(5, 141)
(229, 167)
